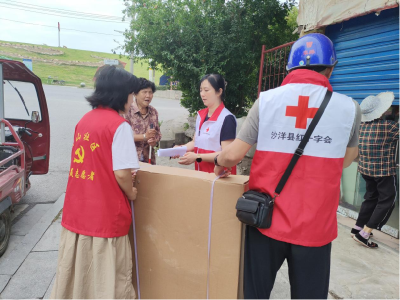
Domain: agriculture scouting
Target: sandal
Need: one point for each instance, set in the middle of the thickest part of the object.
(355, 231)
(365, 242)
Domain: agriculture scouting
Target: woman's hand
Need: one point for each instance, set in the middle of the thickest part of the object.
(133, 177)
(132, 195)
(188, 158)
(125, 179)
(152, 142)
(150, 134)
(177, 156)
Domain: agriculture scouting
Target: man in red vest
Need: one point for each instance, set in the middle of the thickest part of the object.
(304, 219)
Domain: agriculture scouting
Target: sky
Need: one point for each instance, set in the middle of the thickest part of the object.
(21, 11)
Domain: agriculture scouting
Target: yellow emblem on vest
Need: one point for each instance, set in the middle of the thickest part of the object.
(80, 155)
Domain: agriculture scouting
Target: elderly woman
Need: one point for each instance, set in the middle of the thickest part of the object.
(377, 165)
(95, 256)
(144, 120)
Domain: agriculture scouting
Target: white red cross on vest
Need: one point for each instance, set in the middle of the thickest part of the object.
(301, 112)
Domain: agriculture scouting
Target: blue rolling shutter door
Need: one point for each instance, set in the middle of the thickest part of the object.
(368, 52)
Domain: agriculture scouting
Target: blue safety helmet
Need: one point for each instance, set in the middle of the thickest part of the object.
(314, 49)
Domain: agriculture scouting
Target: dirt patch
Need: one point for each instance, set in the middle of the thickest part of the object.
(55, 61)
(34, 49)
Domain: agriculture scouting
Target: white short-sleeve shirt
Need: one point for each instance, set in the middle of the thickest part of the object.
(123, 149)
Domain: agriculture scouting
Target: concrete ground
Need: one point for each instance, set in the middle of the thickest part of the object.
(356, 272)
(28, 267)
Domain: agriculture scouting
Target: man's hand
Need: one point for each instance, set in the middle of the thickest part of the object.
(232, 154)
(222, 171)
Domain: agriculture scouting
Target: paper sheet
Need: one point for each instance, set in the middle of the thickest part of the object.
(178, 151)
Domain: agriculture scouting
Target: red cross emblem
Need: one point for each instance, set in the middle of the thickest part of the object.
(301, 112)
(207, 129)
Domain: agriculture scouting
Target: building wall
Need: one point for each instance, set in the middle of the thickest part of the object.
(368, 52)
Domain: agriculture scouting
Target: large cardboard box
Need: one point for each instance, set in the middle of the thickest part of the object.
(172, 224)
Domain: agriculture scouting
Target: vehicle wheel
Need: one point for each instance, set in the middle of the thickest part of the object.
(5, 230)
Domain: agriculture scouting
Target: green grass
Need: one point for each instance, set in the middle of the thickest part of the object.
(72, 75)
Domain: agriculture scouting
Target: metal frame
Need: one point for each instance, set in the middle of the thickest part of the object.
(20, 170)
(18, 144)
(2, 129)
(270, 56)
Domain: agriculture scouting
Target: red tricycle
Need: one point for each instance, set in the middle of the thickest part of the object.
(24, 138)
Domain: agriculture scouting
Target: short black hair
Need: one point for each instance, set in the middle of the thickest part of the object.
(144, 84)
(217, 82)
(112, 88)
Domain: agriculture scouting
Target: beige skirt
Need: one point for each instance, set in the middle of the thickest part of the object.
(93, 268)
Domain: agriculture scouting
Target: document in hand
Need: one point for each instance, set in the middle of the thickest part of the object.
(170, 152)
(172, 212)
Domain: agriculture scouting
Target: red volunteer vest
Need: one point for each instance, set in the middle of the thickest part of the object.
(208, 136)
(94, 203)
(305, 212)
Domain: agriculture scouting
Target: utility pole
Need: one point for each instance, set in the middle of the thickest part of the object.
(131, 56)
(59, 35)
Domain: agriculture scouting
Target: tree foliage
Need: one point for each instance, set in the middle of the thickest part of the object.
(191, 38)
(291, 18)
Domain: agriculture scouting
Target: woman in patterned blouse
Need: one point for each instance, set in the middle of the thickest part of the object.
(142, 117)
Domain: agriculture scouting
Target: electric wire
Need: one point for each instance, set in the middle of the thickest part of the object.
(61, 10)
(59, 15)
(69, 29)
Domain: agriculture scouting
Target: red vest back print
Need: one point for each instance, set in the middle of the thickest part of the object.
(305, 212)
(94, 203)
(208, 136)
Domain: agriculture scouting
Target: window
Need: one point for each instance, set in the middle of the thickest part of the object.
(13, 104)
